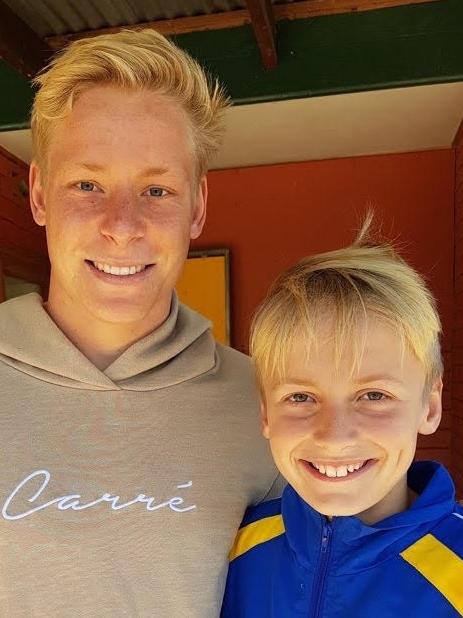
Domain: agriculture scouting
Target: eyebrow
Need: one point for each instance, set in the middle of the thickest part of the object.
(296, 380)
(147, 171)
(361, 380)
(379, 377)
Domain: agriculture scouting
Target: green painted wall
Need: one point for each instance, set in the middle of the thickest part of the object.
(403, 46)
(15, 99)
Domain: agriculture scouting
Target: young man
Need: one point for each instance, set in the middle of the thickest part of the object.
(128, 446)
(347, 353)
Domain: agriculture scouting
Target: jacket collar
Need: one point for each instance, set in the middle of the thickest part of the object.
(356, 546)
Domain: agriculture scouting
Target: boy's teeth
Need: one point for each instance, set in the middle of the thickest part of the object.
(335, 471)
(330, 471)
(115, 270)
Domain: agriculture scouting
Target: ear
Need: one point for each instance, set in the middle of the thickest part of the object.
(199, 209)
(433, 410)
(264, 420)
(36, 195)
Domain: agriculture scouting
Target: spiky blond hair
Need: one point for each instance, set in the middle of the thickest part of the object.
(346, 286)
(131, 60)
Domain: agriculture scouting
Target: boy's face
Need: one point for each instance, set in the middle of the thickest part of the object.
(345, 442)
(121, 191)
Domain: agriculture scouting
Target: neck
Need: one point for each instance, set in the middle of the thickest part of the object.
(101, 342)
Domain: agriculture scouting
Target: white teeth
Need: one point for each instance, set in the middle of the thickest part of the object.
(120, 271)
(338, 471)
(330, 471)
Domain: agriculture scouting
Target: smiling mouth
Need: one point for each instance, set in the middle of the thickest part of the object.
(331, 472)
(118, 271)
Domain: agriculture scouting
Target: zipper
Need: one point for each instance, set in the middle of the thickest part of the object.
(319, 586)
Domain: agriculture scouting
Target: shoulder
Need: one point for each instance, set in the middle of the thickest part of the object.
(253, 559)
(438, 557)
(234, 358)
(261, 525)
(442, 544)
(31, 301)
(234, 369)
(450, 532)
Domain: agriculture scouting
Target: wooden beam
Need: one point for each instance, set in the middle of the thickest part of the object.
(2, 284)
(458, 139)
(19, 44)
(263, 24)
(167, 27)
(234, 19)
(316, 8)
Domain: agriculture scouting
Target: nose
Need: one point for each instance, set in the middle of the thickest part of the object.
(335, 428)
(123, 221)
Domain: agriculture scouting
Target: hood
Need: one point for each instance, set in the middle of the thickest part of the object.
(180, 349)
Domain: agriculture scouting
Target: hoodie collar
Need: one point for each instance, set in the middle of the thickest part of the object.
(180, 349)
(356, 546)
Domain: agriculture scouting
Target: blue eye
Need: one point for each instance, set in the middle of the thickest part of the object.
(86, 186)
(156, 192)
(374, 396)
(298, 398)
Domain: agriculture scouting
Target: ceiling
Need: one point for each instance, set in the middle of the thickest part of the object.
(393, 69)
(376, 122)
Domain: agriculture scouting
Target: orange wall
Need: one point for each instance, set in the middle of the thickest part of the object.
(23, 250)
(271, 216)
(457, 373)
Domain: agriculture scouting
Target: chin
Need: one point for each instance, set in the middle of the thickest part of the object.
(339, 506)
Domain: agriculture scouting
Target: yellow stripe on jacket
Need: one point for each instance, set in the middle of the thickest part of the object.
(258, 532)
(440, 566)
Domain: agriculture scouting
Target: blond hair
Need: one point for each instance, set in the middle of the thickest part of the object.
(346, 285)
(132, 60)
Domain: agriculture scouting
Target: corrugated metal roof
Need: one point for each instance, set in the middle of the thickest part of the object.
(49, 17)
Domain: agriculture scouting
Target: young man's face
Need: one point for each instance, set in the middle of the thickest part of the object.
(120, 193)
(345, 442)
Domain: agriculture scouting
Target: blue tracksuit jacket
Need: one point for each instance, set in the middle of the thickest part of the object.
(288, 560)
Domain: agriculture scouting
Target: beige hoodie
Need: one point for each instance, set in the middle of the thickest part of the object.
(121, 491)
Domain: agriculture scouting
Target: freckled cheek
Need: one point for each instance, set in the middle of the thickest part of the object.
(169, 224)
(395, 433)
(65, 212)
(289, 432)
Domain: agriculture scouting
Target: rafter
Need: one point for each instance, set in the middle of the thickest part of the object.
(19, 44)
(167, 27)
(317, 8)
(234, 19)
(263, 24)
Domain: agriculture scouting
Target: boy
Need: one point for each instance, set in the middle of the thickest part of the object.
(346, 348)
